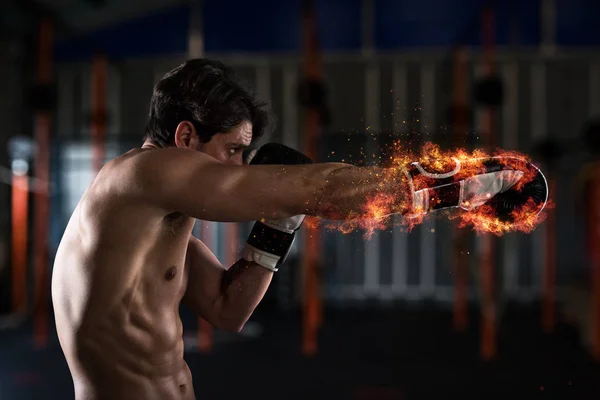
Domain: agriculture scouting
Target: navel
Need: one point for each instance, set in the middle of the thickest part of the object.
(170, 274)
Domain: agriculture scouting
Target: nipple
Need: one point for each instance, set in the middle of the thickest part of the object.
(170, 274)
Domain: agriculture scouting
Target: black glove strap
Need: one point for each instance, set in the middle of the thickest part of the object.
(270, 240)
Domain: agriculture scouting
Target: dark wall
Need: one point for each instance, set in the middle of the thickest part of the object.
(15, 119)
(274, 26)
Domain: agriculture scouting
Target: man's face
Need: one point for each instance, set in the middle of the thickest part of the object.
(225, 147)
(229, 147)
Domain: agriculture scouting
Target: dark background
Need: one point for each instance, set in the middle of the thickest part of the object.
(389, 67)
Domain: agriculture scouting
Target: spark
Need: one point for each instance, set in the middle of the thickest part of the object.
(377, 211)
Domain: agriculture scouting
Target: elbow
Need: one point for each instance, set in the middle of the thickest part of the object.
(234, 325)
(235, 328)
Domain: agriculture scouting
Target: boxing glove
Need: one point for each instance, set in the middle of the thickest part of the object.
(270, 241)
(502, 183)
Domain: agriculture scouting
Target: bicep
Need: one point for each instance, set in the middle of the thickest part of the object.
(199, 186)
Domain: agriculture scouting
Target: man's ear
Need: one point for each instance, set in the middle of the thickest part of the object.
(186, 135)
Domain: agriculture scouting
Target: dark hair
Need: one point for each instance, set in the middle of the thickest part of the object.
(209, 95)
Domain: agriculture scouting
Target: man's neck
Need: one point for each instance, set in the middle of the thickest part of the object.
(149, 145)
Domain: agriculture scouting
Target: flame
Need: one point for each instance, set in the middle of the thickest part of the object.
(376, 213)
(483, 220)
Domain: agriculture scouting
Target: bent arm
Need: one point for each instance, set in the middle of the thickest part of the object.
(199, 186)
(224, 297)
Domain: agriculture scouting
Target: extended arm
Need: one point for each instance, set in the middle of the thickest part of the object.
(224, 297)
(193, 183)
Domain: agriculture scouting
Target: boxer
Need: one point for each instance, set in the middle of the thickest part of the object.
(127, 259)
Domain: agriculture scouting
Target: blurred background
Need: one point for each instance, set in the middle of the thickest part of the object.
(437, 311)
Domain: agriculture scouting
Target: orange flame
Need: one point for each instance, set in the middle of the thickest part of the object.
(377, 210)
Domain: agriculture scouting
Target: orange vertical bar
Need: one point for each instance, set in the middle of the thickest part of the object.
(312, 312)
(312, 302)
(594, 237)
(488, 306)
(43, 124)
(205, 329)
(488, 320)
(98, 103)
(460, 314)
(549, 272)
(19, 214)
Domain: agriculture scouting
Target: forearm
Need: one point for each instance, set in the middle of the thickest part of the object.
(243, 286)
(343, 191)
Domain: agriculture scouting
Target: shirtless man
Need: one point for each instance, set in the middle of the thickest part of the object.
(128, 259)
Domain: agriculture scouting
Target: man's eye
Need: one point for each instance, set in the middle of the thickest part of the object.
(232, 152)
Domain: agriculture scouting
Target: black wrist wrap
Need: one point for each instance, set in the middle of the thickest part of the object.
(270, 240)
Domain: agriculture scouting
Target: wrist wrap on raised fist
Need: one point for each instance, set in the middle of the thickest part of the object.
(270, 241)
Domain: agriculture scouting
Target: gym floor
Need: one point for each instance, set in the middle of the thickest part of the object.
(400, 353)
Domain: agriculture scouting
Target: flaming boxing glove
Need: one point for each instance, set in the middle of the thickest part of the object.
(503, 183)
(270, 241)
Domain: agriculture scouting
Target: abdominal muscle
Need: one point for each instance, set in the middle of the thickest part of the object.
(117, 317)
(132, 362)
